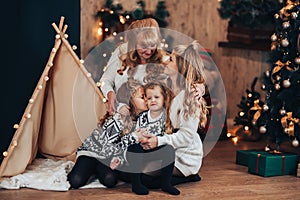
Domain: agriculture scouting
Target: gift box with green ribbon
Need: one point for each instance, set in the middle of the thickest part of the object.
(272, 163)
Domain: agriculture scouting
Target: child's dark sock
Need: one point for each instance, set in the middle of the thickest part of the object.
(137, 186)
(166, 180)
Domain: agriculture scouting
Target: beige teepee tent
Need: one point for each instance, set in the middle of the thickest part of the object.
(64, 108)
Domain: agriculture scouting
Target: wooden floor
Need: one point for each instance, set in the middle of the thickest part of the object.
(221, 179)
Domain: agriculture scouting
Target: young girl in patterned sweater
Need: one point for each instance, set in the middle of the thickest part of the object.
(109, 140)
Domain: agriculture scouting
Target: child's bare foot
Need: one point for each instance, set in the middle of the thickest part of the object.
(115, 162)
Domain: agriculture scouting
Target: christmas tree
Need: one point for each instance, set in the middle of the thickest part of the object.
(247, 117)
(248, 13)
(281, 111)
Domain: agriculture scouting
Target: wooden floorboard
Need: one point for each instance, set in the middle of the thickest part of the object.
(222, 179)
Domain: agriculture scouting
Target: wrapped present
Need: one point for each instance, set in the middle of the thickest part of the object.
(241, 157)
(272, 163)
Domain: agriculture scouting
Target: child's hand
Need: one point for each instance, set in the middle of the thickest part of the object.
(140, 133)
(115, 162)
(124, 110)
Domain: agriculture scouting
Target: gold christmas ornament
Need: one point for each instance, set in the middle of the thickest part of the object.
(286, 83)
(282, 111)
(277, 86)
(297, 60)
(285, 42)
(294, 15)
(262, 129)
(273, 37)
(295, 143)
(286, 24)
(265, 107)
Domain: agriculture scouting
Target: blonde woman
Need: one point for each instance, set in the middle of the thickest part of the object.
(142, 46)
(185, 69)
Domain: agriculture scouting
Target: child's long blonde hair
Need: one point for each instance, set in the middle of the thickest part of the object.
(168, 97)
(191, 68)
(125, 95)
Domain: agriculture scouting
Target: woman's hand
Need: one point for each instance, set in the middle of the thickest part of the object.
(198, 91)
(112, 101)
(149, 141)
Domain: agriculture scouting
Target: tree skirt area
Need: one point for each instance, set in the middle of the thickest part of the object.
(46, 174)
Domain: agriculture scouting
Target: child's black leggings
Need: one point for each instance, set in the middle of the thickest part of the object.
(85, 167)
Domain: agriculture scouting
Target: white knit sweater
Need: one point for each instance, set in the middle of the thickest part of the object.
(186, 141)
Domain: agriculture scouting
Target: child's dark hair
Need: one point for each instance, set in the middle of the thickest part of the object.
(168, 97)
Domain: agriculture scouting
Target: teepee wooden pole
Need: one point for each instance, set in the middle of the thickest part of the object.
(65, 28)
(62, 19)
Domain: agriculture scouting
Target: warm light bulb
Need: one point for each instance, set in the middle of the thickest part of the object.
(100, 31)
(235, 140)
(5, 153)
(122, 19)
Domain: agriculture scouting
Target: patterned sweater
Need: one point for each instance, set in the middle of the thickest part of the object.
(106, 142)
(154, 126)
